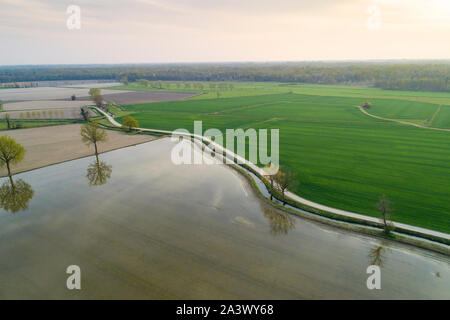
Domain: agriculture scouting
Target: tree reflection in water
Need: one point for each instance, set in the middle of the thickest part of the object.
(377, 255)
(280, 222)
(98, 173)
(14, 196)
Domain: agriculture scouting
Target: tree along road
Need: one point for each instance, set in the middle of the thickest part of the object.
(222, 150)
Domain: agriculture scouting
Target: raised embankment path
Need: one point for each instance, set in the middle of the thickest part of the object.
(220, 149)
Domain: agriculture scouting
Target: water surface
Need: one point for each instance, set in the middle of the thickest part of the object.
(140, 227)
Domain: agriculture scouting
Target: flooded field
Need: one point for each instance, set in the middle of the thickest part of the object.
(140, 227)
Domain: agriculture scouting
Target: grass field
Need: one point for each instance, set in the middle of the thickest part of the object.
(442, 118)
(341, 157)
(262, 88)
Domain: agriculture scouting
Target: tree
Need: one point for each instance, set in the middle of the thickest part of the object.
(96, 97)
(92, 134)
(84, 113)
(384, 205)
(124, 80)
(366, 105)
(271, 177)
(8, 120)
(11, 152)
(109, 105)
(284, 178)
(129, 122)
(143, 82)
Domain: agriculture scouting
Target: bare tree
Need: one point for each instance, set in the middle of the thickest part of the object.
(284, 179)
(84, 113)
(384, 206)
(271, 178)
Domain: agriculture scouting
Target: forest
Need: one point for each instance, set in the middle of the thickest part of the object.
(390, 75)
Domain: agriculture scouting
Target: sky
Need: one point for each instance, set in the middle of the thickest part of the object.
(160, 31)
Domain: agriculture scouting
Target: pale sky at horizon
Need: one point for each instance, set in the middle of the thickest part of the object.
(153, 31)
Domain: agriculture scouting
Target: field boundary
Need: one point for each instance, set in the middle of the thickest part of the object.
(435, 114)
(400, 121)
(333, 212)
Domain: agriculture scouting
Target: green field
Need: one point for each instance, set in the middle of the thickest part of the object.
(341, 157)
(442, 118)
(262, 88)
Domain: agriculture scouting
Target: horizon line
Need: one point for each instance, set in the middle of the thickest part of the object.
(236, 61)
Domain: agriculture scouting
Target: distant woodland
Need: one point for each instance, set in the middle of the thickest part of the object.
(391, 75)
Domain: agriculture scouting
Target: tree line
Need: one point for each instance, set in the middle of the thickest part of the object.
(396, 75)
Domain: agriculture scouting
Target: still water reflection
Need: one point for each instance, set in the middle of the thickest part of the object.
(98, 172)
(155, 230)
(280, 222)
(377, 254)
(14, 196)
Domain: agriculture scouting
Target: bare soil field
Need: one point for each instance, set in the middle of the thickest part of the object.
(94, 85)
(47, 93)
(49, 145)
(133, 97)
(43, 105)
